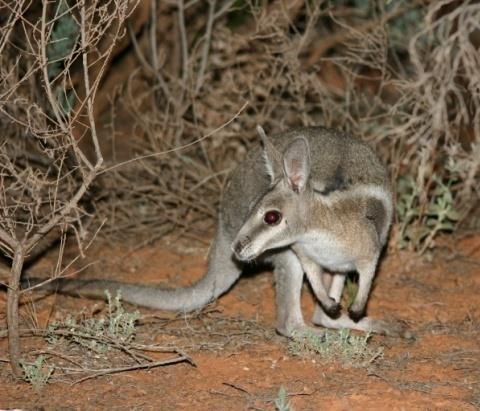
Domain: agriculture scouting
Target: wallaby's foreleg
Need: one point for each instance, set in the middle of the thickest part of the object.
(366, 271)
(314, 274)
(288, 283)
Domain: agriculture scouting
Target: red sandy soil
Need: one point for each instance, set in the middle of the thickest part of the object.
(243, 366)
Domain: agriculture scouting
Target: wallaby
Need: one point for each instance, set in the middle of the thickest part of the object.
(309, 199)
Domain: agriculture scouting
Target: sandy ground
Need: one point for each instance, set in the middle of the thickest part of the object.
(240, 362)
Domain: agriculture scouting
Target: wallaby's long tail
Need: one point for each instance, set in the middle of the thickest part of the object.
(222, 272)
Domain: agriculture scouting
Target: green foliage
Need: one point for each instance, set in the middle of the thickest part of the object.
(62, 40)
(341, 345)
(98, 334)
(351, 290)
(404, 27)
(65, 99)
(37, 373)
(121, 324)
(419, 225)
(61, 44)
(281, 403)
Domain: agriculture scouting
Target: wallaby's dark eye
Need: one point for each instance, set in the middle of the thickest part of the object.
(272, 217)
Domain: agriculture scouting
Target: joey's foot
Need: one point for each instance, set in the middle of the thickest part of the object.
(333, 311)
(356, 315)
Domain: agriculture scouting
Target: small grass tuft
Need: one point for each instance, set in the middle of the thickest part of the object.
(342, 346)
(37, 373)
(97, 334)
(281, 403)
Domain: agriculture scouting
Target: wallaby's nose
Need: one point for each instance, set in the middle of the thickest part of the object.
(238, 247)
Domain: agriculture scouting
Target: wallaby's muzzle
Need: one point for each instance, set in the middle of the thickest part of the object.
(243, 250)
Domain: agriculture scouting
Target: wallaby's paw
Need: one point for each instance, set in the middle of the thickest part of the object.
(333, 311)
(356, 315)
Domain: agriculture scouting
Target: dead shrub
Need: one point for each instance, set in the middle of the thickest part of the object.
(47, 94)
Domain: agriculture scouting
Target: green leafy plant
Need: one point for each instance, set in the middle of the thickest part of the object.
(60, 46)
(37, 373)
(121, 324)
(98, 334)
(341, 345)
(62, 40)
(419, 226)
(281, 403)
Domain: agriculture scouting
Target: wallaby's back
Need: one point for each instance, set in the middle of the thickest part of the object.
(338, 162)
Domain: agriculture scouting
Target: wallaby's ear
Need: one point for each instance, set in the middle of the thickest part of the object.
(271, 156)
(296, 164)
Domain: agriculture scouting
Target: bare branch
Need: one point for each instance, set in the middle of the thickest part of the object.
(206, 44)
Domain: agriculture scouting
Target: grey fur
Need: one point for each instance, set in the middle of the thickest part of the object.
(326, 184)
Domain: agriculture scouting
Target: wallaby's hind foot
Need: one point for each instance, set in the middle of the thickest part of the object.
(392, 328)
(290, 329)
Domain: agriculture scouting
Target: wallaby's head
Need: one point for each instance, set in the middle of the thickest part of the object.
(279, 218)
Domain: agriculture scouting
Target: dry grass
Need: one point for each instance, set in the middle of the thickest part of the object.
(86, 345)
